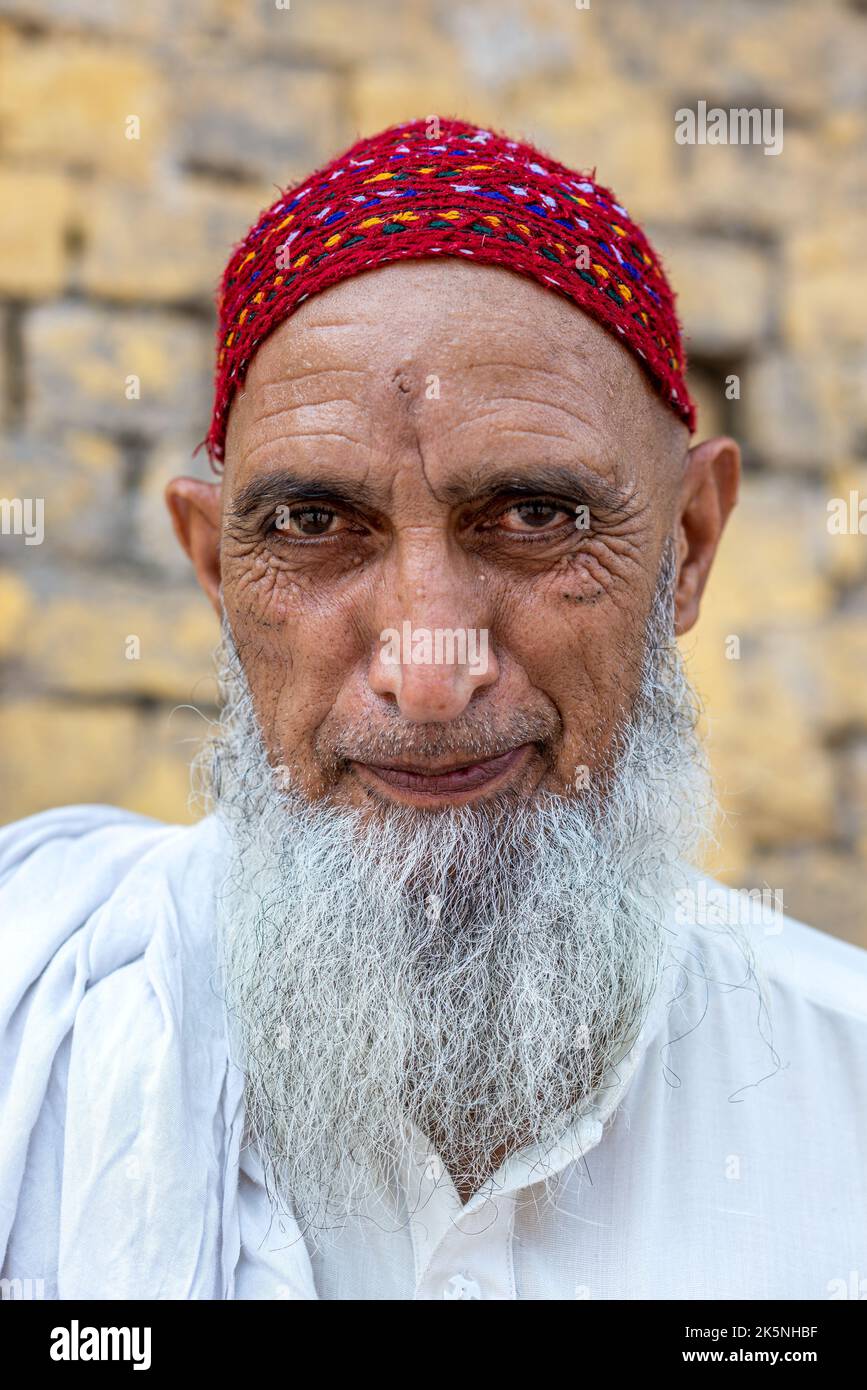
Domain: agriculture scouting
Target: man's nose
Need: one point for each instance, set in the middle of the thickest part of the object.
(432, 673)
(433, 653)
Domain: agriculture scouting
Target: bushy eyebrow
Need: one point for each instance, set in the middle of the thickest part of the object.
(575, 481)
(278, 488)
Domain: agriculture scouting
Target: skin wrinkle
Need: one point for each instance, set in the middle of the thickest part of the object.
(303, 434)
(273, 384)
(280, 387)
(304, 405)
(344, 323)
(495, 401)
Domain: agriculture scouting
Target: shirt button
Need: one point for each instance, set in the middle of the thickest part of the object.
(434, 1169)
(461, 1286)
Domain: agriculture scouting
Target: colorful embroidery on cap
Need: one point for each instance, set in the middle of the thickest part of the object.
(469, 192)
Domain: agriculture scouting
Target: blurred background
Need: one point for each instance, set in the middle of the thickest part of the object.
(138, 142)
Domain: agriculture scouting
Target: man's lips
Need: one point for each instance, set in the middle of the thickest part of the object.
(445, 781)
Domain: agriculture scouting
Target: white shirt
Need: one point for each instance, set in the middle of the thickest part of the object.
(725, 1159)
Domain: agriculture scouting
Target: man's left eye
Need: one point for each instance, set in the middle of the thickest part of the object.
(533, 516)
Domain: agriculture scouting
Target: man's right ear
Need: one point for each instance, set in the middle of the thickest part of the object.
(195, 509)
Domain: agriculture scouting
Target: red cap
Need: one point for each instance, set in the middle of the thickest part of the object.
(440, 187)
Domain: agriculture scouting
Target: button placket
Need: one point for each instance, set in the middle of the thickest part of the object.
(473, 1259)
(434, 1204)
(462, 1286)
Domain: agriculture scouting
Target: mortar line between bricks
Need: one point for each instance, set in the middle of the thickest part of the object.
(14, 404)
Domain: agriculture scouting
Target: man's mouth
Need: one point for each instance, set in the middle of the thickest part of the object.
(418, 782)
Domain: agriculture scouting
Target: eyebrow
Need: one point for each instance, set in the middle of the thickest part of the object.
(283, 486)
(576, 480)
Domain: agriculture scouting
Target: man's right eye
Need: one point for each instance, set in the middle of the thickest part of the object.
(306, 522)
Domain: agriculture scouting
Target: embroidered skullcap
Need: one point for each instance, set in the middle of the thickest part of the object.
(443, 187)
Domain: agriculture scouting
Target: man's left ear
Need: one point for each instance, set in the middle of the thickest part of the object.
(709, 490)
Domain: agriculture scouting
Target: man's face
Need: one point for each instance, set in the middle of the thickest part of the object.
(454, 448)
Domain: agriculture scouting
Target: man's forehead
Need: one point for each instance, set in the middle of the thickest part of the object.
(407, 310)
(459, 347)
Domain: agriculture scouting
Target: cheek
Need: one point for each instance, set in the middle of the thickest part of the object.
(297, 654)
(582, 648)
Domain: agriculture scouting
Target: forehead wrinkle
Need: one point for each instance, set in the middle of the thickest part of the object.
(296, 389)
(273, 443)
(284, 418)
(305, 405)
(282, 376)
(549, 342)
(568, 410)
(648, 429)
(594, 452)
(283, 381)
(279, 381)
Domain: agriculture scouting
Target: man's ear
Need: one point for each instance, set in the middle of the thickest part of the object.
(709, 490)
(195, 509)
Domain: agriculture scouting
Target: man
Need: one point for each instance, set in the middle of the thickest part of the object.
(433, 1006)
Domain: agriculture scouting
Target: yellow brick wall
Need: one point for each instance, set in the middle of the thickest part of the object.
(110, 248)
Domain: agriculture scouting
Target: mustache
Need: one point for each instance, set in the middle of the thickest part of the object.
(474, 737)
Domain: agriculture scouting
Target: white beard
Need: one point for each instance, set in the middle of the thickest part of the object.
(474, 970)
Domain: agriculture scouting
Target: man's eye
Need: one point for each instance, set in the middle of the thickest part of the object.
(532, 516)
(306, 521)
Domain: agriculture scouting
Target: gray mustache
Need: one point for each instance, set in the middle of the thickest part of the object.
(422, 742)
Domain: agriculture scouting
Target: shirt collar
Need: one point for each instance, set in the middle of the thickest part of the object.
(424, 1170)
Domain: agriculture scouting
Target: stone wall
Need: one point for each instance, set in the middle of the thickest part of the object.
(110, 248)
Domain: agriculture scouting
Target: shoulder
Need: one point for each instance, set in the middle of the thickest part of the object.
(110, 1040)
(813, 965)
(57, 871)
(92, 847)
(100, 838)
(88, 881)
(799, 963)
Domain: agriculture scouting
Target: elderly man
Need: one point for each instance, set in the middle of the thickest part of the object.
(432, 1006)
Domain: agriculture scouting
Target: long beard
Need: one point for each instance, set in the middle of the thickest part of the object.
(475, 971)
